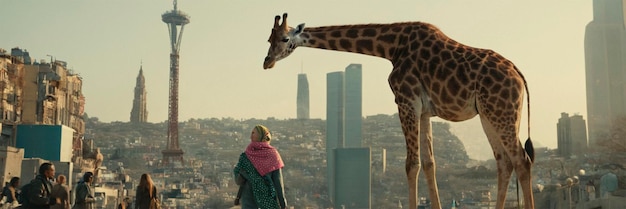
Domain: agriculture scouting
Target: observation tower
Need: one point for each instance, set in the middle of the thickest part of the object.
(174, 19)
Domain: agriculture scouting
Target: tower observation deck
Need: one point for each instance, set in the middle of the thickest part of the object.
(174, 19)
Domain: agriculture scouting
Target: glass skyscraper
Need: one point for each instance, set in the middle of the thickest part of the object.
(348, 163)
(605, 66)
(353, 113)
(334, 124)
(302, 102)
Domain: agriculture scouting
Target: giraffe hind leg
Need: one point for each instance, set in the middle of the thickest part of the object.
(523, 170)
(503, 162)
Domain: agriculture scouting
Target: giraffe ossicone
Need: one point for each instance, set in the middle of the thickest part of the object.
(433, 75)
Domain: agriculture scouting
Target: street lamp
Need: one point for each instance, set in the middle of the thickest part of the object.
(51, 58)
(569, 182)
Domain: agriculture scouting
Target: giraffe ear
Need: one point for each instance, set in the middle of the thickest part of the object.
(298, 29)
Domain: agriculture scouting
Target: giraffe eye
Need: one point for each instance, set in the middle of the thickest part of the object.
(285, 40)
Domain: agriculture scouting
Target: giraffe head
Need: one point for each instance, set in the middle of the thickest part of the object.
(283, 40)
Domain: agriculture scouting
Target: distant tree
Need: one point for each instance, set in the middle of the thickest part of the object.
(613, 146)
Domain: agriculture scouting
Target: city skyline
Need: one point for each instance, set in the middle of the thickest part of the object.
(221, 73)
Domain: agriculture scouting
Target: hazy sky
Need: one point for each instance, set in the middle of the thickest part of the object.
(222, 51)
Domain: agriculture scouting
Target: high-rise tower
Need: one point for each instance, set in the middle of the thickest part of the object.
(571, 135)
(139, 113)
(353, 111)
(605, 67)
(348, 182)
(303, 97)
(174, 19)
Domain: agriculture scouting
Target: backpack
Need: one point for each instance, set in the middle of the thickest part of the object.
(22, 198)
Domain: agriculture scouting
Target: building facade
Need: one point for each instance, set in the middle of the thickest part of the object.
(302, 98)
(11, 96)
(11, 158)
(48, 93)
(353, 178)
(605, 67)
(139, 113)
(571, 135)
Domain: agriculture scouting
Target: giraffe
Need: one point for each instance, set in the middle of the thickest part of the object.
(433, 75)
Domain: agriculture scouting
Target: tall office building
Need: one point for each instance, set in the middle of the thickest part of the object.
(605, 66)
(344, 138)
(139, 113)
(571, 135)
(353, 118)
(303, 97)
(334, 124)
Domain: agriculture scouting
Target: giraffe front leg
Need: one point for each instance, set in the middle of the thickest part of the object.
(412, 165)
(412, 172)
(428, 160)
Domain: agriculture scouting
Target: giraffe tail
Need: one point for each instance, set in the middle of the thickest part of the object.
(530, 150)
(528, 146)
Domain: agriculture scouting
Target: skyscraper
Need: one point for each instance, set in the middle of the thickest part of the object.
(571, 135)
(605, 66)
(344, 139)
(303, 97)
(353, 114)
(334, 124)
(139, 113)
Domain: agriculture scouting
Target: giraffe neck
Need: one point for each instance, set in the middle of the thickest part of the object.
(380, 40)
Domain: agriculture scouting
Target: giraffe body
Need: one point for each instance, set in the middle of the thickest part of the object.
(432, 75)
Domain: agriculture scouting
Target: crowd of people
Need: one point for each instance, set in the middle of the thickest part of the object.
(47, 192)
(258, 173)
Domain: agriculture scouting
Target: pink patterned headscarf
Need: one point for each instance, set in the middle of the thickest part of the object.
(264, 157)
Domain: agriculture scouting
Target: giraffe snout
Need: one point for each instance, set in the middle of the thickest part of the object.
(268, 62)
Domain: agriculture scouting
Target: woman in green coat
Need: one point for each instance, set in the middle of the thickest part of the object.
(259, 173)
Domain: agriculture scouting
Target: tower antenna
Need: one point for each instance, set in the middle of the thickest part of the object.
(174, 19)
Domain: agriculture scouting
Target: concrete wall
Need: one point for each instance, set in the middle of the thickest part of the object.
(10, 163)
(30, 169)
